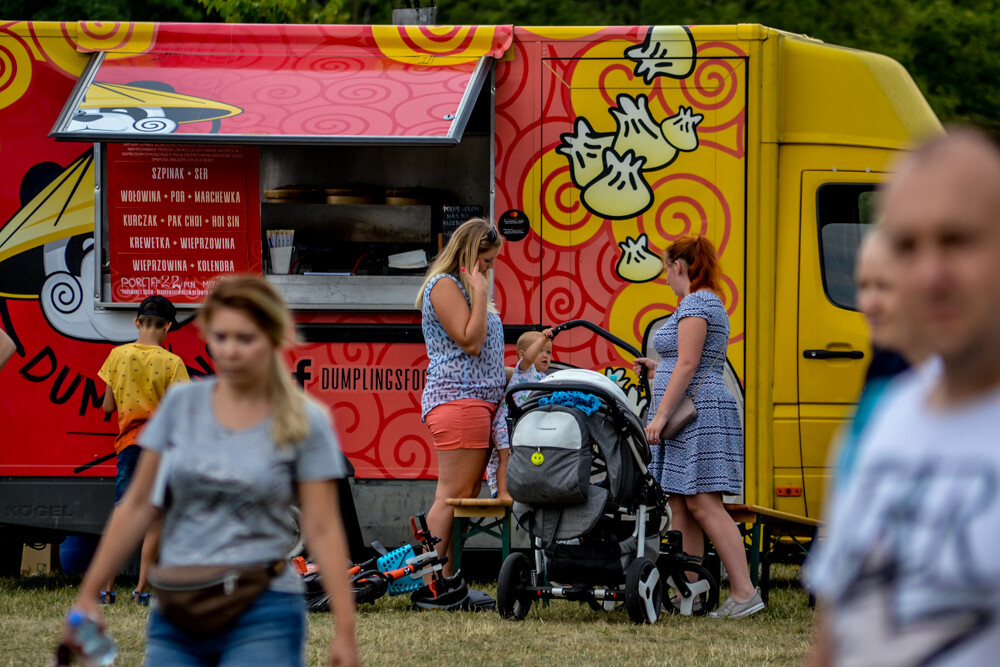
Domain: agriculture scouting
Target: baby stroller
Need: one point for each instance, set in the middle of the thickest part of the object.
(577, 474)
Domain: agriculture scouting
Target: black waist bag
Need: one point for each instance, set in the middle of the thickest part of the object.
(203, 600)
(550, 457)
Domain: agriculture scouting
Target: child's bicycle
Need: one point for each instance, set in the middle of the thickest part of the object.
(393, 572)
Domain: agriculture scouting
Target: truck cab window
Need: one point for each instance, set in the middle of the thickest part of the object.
(845, 213)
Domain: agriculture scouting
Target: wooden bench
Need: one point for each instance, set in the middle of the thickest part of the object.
(479, 516)
(766, 526)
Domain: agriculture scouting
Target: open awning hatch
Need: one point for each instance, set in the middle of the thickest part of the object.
(285, 84)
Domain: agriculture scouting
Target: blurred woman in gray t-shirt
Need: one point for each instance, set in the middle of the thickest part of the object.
(236, 453)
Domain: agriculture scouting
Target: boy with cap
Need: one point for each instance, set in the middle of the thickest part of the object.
(138, 375)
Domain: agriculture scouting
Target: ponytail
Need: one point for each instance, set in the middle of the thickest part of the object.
(698, 252)
(289, 422)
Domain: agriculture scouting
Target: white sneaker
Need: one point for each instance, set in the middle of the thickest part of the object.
(733, 609)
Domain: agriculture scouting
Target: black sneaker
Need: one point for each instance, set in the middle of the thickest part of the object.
(451, 594)
(106, 597)
(478, 601)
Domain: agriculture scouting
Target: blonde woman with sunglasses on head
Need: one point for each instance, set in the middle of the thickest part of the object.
(465, 377)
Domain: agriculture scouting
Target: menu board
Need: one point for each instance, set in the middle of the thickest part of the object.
(179, 216)
(452, 217)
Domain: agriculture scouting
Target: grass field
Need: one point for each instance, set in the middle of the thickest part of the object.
(564, 633)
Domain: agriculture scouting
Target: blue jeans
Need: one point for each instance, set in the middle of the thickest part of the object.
(128, 458)
(271, 632)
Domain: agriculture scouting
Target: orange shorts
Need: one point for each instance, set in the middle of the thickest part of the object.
(461, 424)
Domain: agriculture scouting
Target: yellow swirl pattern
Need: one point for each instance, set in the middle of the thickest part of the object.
(610, 78)
(639, 305)
(434, 45)
(15, 71)
(60, 49)
(118, 40)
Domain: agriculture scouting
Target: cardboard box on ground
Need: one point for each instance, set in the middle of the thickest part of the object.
(44, 558)
(37, 559)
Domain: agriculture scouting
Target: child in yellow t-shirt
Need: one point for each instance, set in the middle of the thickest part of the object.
(138, 375)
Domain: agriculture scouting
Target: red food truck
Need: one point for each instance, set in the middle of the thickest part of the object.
(335, 160)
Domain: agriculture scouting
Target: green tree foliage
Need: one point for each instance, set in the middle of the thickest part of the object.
(948, 46)
(279, 11)
(953, 56)
(102, 10)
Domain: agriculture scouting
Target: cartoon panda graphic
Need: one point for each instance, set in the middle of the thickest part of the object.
(47, 249)
(143, 107)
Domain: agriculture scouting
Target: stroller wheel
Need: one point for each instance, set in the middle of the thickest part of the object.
(515, 575)
(642, 591)
(705, 592)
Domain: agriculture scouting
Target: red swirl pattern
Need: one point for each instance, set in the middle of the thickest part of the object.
(712, 86)
(380, 431)
(693, 204)
(309, 95)
(565, 199)
(608, 92)
(8, 69)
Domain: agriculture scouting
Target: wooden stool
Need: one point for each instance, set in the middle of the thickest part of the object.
(775, 525)
(479, 516)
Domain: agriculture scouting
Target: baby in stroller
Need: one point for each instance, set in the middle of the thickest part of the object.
(577, 473)
(534, 354)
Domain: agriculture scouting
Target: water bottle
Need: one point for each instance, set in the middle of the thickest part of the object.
(92, 645)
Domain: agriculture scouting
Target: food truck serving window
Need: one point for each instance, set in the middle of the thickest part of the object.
(333, 159)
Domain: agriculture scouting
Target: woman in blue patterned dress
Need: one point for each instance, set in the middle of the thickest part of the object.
(465, 377)
(705, 459)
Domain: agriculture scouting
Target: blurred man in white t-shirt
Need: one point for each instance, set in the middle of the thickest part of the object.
(909, 574)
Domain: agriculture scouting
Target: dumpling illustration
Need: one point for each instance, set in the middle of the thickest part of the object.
(640, 133)
(668, 50)
(620, 192)
(681, 130)
(638, 264)
(585, 151)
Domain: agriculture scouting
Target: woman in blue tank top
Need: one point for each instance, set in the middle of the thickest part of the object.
(465, 377)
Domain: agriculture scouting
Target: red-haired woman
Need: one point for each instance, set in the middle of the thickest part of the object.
(705, 459)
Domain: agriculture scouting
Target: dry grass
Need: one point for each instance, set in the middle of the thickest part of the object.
(31, 610)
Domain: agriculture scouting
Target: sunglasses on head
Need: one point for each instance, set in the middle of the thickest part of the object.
(491, 236)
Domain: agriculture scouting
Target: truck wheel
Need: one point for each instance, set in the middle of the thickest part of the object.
(515, 575)
(642, 591)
